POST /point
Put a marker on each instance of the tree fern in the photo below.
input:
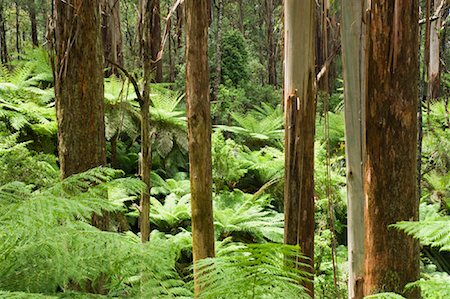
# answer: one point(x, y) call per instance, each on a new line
point(47, 244)
point(240, 215)
point(253, 271)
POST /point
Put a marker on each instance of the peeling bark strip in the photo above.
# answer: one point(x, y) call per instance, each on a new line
point(199, 128)
point(78, 76)
point(354, 68)
point(300, 128)
point(390, 159)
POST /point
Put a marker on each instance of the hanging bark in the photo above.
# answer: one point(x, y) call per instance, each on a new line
point(156, 39)
point(78, 75)
point(354, 69)
point(32, 14)
point(390, 149)
point(434, 73)
point(300, 128)
point(272, 62)
point(218, 77)
point(3, 46)
point(145, 11)
point(199, 127)
point(111, 34)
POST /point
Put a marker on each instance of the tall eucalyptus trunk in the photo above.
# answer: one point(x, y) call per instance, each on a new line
point(390, 186)
point(146, 153)
point(3, 45)
point(354, 68)
point(434, 72)
point(33, 22)
point(156, 40)
point(78, 76)
point(300, 105)
point(111, 34)
point(199, 128)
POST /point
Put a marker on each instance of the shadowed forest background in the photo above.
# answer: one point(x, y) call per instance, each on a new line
point(224, 149)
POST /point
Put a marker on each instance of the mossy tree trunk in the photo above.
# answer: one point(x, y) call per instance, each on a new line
point(391, 257)
point(78, 76)
point(300, 105)
point(199, 128)
point(3, 46)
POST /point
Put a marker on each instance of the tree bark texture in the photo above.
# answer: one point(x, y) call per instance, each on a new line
point(199, 128)
point(354, 69)
point(272, 61)
point(78, 78)
point(434, 73)
point(17, 28)
point(34, 31)
point(111, 34)
point(146, 154)
point(156, 40)
point(3, 45)
point(300, 127)
point(218, 78)
point(391, 257)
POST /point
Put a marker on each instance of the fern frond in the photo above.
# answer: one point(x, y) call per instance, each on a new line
point(253, 271)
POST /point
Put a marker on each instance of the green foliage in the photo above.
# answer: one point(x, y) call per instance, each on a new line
point(261, 126)
point(246, 218)
point(24, 103)
point(253, 271)
point(435, 233)
point(234, 58)
point(18, 163)
point(436, 286)
point(228, 162)
point(385, 296)
point(46, 242)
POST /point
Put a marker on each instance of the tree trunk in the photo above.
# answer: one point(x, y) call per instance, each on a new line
point(272, 62)
point(111, 34)
point(218, 78)
point(434, 73)
point(241, 17)
point(34, 32)
point(354, 69)
point(17, 28)
point(3, 47)
point(156, 40)
point(390, 150)
point(300, 128)
point(145, 21)
point(79, 86)
point(199, 127)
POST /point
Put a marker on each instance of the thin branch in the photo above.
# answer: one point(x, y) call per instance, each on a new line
point(131, 78)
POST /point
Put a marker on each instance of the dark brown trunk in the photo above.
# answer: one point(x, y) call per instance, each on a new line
point(199, 128)
point(271, 65)
point(180, 23)
point(300, 110)
point(17, 28)
point(3, 46)
point(241, 16)
point(171, 58)
point(34, 32)
point(391, 143)
point(78, 76)
point(145, 9)
point(111, 34)
point(156, 40)
point(218, 78)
